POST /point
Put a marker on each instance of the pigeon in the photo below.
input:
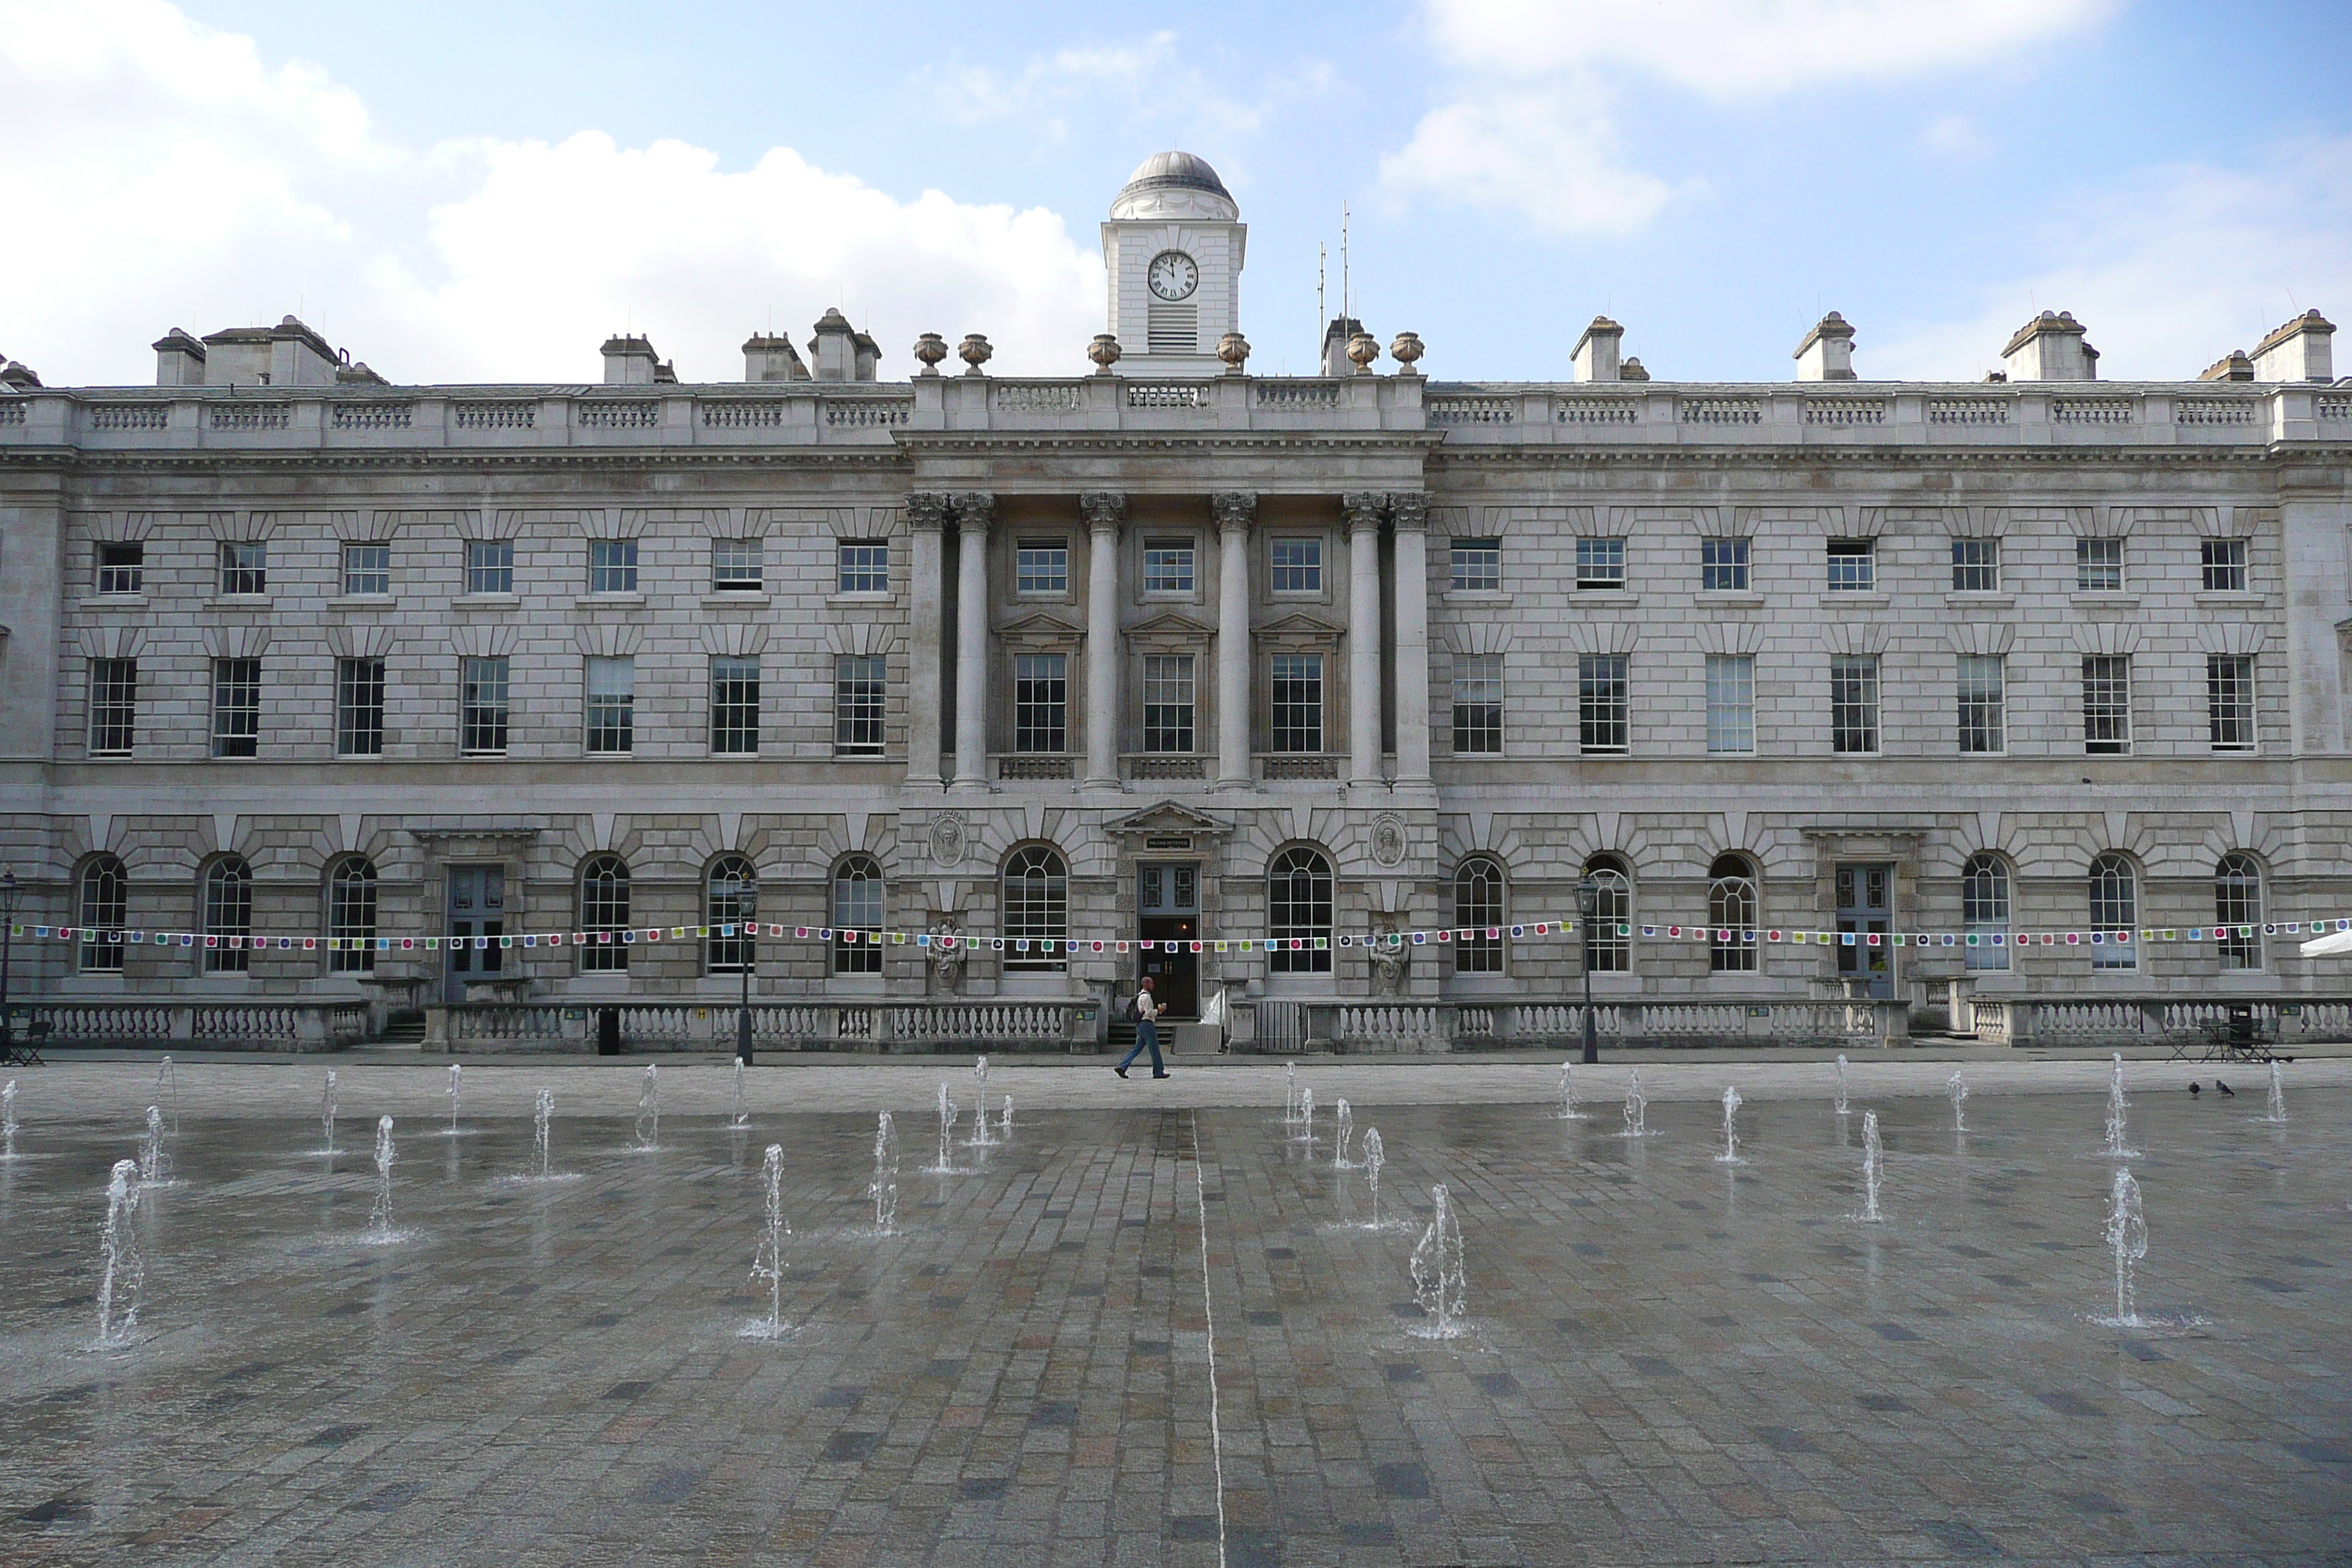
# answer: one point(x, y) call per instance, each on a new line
point(2225, 1088)
point(2195, 1089)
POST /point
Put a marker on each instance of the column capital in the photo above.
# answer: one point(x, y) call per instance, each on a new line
point(1363, 509)
point(974, 511)
point(1234, 510)
point(926, 510)
point(1409, 509)
point(1103, 510)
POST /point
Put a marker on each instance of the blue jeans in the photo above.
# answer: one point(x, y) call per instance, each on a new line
point(1147, 1038)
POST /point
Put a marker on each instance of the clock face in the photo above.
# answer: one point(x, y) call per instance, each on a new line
point(1174, 275)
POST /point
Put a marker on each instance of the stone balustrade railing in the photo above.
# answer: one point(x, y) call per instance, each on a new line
point(219, 1026)
point(2103, 1022)
point(819, 1025)
point(1422, 1027)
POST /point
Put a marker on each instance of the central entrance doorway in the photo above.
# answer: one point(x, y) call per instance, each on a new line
point(1865, 906)
point(477, 907)
point(1168, 904)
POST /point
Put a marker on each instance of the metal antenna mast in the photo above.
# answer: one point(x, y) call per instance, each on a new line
point(1322, 260)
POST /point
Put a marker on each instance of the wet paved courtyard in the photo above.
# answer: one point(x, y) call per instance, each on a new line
point(1169, 1335)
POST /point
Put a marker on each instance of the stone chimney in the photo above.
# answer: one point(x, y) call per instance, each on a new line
point(631, 362)
point(2232, 367)
point(767, 358)
point(833, 353)
point(179, 359)
point(1827, 352)
point(2050, 348)
point(2298, 351)
point(868, 356)
point(1336, 339)
point(17, 376)
point(1596, 350)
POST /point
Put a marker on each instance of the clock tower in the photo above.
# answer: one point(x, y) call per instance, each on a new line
point(1173, 247)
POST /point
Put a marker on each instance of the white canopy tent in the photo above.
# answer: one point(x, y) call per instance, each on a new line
point(2326, 946)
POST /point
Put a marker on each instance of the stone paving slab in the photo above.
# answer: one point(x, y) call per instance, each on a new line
point(1169, 1335)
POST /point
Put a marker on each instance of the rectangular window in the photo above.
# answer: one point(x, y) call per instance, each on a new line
point(121, 567)
point(612, 706)
point(1983, 719)
point(1976, 566)
point(1168, 702)
point(113, 705)
point(739, 565)
point(2098, 565)
point(244, 568)
point(1296, 706)
point(482, 707)
point(1853, 703)
point(2106, 704)
point(367, 569)
point(2229, 700)
point(2225, 566)
point(1478, 704)
point(1602, 722)
point(237, 706)
point(612, 565)
point(1478, 565)
point(1041, 703)
point(358, 707)
point(860, 690)
point(489, 566)
point(1040, 566)
point(1731, 702)
point(1600, 563)
point(1854, 565)
point(1723, 565)
point(1166, 567)
point(1297, 566)
point(863, 566)
point(735, 707)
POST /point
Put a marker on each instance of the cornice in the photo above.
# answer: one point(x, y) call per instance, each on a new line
point(1865, 457)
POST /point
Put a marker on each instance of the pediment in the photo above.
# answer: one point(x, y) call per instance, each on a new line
point(1169, 817)
point(1299, 623)
point(1043, 624)
point(1170, 624)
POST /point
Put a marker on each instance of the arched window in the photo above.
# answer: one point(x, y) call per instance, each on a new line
point(350, 917)
point(1984, 912)
point(605, 912)
point(105, 907)
point(2238, 903)
point(1478, 910)
point(730, 894)
point(1731, 910)
point(229, 915)
point(1036, 910)
point(857, 907)
point(1611, 939)
point(1299, 908)
point(2115, 907)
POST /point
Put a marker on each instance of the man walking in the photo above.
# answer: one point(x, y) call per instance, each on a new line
point(1147, 1032)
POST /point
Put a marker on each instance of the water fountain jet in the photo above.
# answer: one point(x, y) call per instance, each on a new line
point(1637, 1109)
point(1873, 1168)
point(980, 1135)
point(167, 1090)
point(1290, 1092)
point(327, 1115)
point(1731, 1103)
point(1344, 1136)
point(2117, 1109)
point(737, 1116)
point(457, 1095)
point(380, 1217)
point(1440, 1278)
point(947, 1110)
point(768, 1260)
point(648, 1127)
point(1568, 1111)
point(542, 1112)
point(122, 1271)
point(8, 1121)
point(1841, 1086)
point(883, 1188)
point(1959, 1094)
point(154, 1166)
point(1374, 1158)
point(2126, 1235)
point(2276, 1112)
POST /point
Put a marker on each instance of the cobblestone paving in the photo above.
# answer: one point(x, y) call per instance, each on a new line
point(1671, 1360)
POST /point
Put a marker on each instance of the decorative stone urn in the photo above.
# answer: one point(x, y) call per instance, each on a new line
point(1406, 351)
point(1363, 349)
point(1104, 350)
point(975, 352)
point(1235, 349)
point(930, 348)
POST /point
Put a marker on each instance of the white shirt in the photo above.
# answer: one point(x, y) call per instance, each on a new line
point(1145, 1008)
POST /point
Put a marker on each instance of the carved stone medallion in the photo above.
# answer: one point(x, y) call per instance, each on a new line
point(949, 839)
point(1387, 840)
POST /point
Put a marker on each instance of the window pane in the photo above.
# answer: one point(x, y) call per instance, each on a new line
point(612, 565)
point(1168, 566)
point(612, 705)
point(730, 896)
point(113, 705)
point(1600, 563)
point(605, 909)
point(104, 908)
point(1478, 704)
point(2115, 907)
point(1984, 912)
point(489, 566)
point(1168, 702)
point(1298, 702)
point(856, 908)
point(1981, 702)
point(860, 692)
point(1478, 565)
point(1037, 910)
point(1853, 703)
point(121, 567)
point(1975, 565)
point(358, 707)
point(1297, 566)
point(1613, 905)
point(367, 569)
point(1731, 911)
point(228, 913)
point(2098, 565)
point(2229, 700)
point(1041, 693)
point(865, 566)
point(2225, 566)
point(2106, 704)
point(245, 568)
point(1602, 723)
point(738, 565)
point(482, 707)
point(1479, 908)
point(1042, 567)
point(1731, 701)
point(237, 706)
point(1723, 565)
point(1299, 905)
point(1852, 565)
point(2238, 911)
point(735, 706)
point(351, 918)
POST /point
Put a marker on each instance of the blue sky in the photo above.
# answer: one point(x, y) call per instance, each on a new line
point(485, 191)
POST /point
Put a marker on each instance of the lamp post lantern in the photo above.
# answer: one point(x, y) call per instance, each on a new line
point(1588, 901)
point(747, 906)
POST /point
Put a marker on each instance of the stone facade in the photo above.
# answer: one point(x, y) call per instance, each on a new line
point(1078, 599)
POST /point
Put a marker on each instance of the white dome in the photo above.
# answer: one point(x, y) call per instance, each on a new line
point(1174, 185)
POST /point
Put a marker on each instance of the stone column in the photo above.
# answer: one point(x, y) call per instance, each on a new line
point(926, 515)
point(1362, 511)
point(973, 510)
point(1103, 511)
point(1233, 510)
point(1409, 516)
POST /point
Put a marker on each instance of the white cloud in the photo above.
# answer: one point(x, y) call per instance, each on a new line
point(158, 172)
point(2169, 274)
point(1550, 155)
point(1735, 48)
point(1957, 137)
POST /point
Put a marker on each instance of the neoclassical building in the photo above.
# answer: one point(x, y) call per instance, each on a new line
point(2034, 688)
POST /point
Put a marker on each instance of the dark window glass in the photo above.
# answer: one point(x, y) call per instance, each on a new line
point(1478, 704)
point(1299, 905)
point(1603, 721)
point(860, 694)
point(358, 707)
point(350, 917)
point(482, 707)
point(1478, 565)
point(738, 565)
point(1723, 565)
point(1731, 911)
point(237, 706)
point(489, 566)
point(612, 705)
point(612, 565)
point(857, 907)
point(228, 913)
point(731, 886)
point(1168, 702)
point(104, 909)
point(1040, 566)
point(1296, 709)
point(113, 705)
point(605, 908)
point(2106, 704)
point(1037, 910)
point(1853, 703)
point(1041, 703)
point(245, 568)
point(121, 567)
point(735, 707)
point(2229, 700)
point(1478, 910)
point(2225, 566)
point(367, 569)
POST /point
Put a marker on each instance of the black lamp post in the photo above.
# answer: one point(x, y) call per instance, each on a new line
point(747, 906)
point(7, 947)
point(1588, 900)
